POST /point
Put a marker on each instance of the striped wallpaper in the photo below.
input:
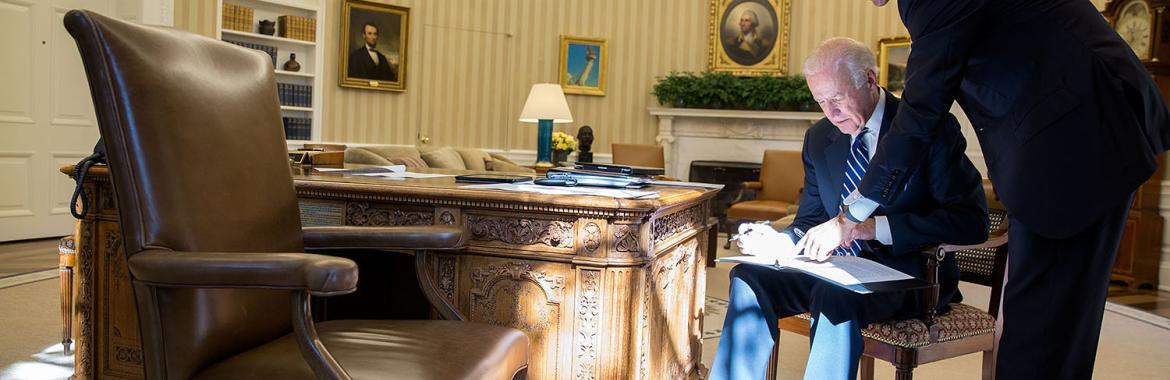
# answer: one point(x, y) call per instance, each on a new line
point(473, 62)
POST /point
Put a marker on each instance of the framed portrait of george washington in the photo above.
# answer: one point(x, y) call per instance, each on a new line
point(749, 37)
point(582, 65)
point(892, 54)
point(374, 39)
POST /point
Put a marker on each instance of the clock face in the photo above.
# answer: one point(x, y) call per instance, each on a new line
point(1133, 24)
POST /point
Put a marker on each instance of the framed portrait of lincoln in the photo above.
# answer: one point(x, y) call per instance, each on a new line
point(374, 39)
point(749, 37)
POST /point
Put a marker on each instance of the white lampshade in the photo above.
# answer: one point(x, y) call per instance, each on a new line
point(546, 101)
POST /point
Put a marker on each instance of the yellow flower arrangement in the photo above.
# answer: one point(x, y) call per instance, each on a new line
point(563, 141)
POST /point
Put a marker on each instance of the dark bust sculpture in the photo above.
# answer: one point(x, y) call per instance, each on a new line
point(584, 144)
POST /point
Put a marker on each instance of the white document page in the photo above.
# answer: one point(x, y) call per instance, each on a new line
point(372, 169)
point(529, 187)
point(844, 270)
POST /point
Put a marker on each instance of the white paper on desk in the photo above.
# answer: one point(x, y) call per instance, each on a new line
point(843, 270)
point(404, 175)
point(529, 187)
point(389, 168)
point(716, 186)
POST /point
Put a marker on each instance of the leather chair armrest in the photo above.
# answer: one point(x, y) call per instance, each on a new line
point(319, 274)
point(752, 186)
point(434, 238)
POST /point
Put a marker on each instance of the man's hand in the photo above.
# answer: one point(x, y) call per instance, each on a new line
point(763, 240)
point(820, 241)
point(866, 230)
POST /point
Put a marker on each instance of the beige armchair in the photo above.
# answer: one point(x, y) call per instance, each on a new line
point(775, 195)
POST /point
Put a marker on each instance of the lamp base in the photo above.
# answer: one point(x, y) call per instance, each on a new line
point(544, 143)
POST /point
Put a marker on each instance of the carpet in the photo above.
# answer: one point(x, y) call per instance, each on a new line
point(713, 312)
point(49, 364)
point(25, 278)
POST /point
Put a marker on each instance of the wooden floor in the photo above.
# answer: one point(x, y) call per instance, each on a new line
point(27, 256)
point(1150, 301)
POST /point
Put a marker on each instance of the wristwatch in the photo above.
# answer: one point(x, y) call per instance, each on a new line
point(845, 212)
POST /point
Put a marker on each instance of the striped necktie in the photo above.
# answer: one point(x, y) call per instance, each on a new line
point(855, 167)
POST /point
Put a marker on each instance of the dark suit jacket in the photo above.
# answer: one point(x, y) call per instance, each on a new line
point(1068, 118)
point(362, 66)
point(942, 203)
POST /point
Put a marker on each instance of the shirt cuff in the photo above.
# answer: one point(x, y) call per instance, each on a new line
point(881, 227)
point(860, 208)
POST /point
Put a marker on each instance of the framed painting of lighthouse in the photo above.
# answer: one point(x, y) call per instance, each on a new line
point(583, 64)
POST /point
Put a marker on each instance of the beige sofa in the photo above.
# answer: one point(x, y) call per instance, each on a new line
point(444, 157)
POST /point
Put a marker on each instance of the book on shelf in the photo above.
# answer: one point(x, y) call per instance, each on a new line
point(297, 27)
point(859, 274)
point(268, 49)
point(237, 17)
point(298, 128)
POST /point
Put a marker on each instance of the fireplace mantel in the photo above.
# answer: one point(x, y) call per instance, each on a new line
point(688, 134)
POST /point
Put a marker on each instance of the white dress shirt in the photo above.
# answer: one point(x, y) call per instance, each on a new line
point(881, 223)
point(373, 55)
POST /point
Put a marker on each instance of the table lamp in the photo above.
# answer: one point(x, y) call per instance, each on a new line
point(545, 105)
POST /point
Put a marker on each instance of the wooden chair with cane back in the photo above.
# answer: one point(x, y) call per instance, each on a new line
point(963, 330)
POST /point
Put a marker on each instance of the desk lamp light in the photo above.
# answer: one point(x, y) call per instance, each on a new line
point(545, 105)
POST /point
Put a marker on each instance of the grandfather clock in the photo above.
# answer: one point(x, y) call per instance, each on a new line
point(1144, 25)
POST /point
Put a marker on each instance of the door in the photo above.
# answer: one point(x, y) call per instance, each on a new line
point(46, 116)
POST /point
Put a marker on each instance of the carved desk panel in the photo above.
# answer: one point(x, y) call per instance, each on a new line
point(604, 288)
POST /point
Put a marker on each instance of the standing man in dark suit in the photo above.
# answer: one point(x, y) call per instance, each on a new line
point(943, 203)
point(367, 63)
point(1069, 121)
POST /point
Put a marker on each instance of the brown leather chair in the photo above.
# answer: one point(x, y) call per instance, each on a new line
point(651, 156)
point(776, 193)
point(212, 233)
point(963, 330)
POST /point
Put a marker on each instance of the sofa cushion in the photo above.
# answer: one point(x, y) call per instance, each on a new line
point(474, 159)
point(378, 154)
point(507, 166)
point(443, 158)
point(409, 161)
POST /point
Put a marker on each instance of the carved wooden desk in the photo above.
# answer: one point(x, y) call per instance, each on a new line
point(605, 288)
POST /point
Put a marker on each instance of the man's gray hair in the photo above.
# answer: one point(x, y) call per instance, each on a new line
point(755, 19)
point(843, 56)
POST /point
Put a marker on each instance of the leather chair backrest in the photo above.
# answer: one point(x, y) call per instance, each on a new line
point(781, 175)
point(199, 163)
point(651, 156)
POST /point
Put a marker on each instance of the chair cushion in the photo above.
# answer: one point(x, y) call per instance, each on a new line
point(444, 158)
point(759, 209)
point(961, 322)
point(387, 349)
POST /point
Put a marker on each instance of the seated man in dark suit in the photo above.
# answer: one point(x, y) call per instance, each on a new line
point(944, 203)
point(367, 63)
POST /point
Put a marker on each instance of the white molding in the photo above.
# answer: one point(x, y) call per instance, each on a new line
point(811, 117)
point(688, 134)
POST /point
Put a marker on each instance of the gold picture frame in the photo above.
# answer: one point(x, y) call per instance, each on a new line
point(382, 67)
point(892, 54)
point(583, 65)
point(749, 37)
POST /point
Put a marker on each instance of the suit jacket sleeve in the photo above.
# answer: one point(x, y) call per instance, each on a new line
point(941, 33)
point(812, 211)
point(958, 211)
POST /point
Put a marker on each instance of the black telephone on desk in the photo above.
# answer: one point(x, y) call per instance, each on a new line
point(578, 177)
